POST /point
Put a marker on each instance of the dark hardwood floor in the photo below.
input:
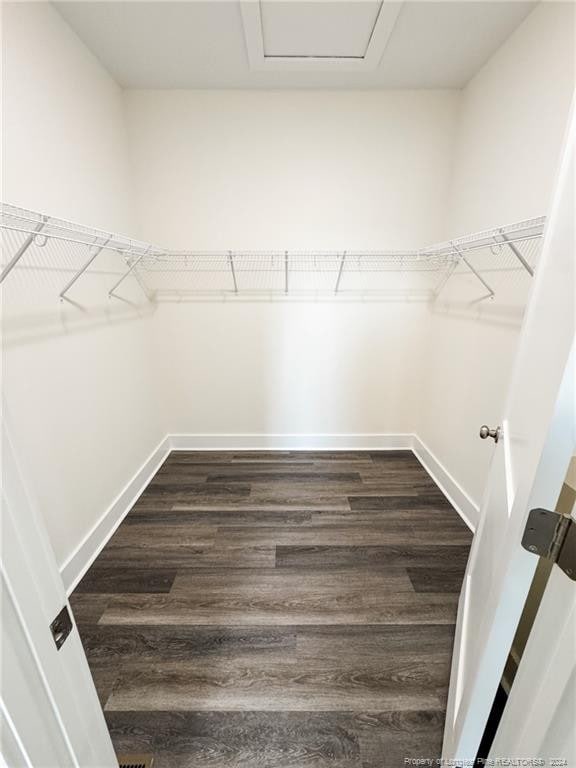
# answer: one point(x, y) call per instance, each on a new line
point(278, 610)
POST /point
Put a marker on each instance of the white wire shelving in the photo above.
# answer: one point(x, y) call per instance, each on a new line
point(166, 275)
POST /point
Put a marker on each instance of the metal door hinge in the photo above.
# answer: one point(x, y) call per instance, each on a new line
point(61, 627)
point(553, 536)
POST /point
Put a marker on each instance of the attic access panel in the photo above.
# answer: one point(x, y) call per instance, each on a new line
point(318, 29)
point(317, 35)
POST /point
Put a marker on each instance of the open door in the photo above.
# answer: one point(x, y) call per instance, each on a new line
point(534, 445)
point(50, 714)
point(540, 715)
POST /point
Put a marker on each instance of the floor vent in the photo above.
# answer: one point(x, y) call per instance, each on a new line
point(135, 761)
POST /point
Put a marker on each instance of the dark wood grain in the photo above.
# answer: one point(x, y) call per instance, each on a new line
point(88, 608)
point(142, 644)
point(426, 500)
point(219, 517)
point(446, 579)
point(190, 556)
point(196, 490)
point(349, 607)
point(290, 609)
point(428, 555)
point(274, 739)
point(108, 579)
point(318, 477)
point(378, 534)
point(385, 682)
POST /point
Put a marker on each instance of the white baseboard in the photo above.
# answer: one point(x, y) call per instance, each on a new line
point(460, 500)
point(88, 550)
point(290, 442)
point(90, 547)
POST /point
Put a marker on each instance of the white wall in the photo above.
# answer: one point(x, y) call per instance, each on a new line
point(290, 368)
point(64, 145)
point(512, 118)
point(291, 169)
point(265, 170)
point(511, 124)
point(76, 381)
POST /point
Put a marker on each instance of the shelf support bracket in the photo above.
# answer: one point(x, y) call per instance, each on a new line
point(340, 271)
point(22, 250)
point(231, 260)
point(132, 266)
point(516, 252)
point(83, 269)
point(490, 294)
point(149, 295)
point(445, 279)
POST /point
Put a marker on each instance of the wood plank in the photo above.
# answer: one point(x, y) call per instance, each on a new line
point(86, 608)
point(286, 582)
point(158, 536)
point(197, 491)
point(302, 455)
point(145, 644)
point(388, 739)
point(175, 467)
point(371, 641)
point(394, 456)
point(431, 555)
point(421, 516)
point(104, 579)
point(448, 579)
point(424, 500)
point(223, 555)
point(105, 676)
point(309, 685)
point(219, 517)
point(268, 500)
point(349, 607)
point(390, 533)
point(316, 476)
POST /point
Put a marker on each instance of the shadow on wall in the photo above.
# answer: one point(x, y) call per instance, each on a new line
point(493, 288)
point(31, 306)
point(78, 386)
point(486, 312)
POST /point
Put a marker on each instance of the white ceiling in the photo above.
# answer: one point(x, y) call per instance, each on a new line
point(202, 44)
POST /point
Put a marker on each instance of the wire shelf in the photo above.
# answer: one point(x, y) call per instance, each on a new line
point(485, 258)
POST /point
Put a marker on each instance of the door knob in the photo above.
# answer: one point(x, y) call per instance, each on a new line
point(485, 432)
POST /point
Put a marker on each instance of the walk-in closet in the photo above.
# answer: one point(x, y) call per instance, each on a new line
point(287, 383)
